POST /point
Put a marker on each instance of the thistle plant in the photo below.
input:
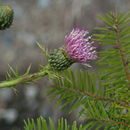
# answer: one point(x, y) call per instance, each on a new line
point(100, 97)
point(77, 48)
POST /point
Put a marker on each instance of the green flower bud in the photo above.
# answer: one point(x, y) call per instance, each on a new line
point(59, 61)
point(6, 17)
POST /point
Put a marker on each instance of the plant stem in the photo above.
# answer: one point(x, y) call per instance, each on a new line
point(23, 79)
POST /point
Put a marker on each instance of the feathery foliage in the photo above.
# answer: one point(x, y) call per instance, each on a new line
point(114, 62)
point(102, 97)
point(43, 124)
point(82, 90)
point(74, 88)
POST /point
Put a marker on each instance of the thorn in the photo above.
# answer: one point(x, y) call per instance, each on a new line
point(28, 69)
point(15, 90)
point(43, 49)
point(8, 75)
point(12, 70)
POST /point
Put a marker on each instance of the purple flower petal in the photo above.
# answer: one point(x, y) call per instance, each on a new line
point(79, 47)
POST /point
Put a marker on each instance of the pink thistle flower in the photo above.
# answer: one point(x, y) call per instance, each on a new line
point(79, 47)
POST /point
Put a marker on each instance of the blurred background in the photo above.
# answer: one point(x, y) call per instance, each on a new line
point(45, 21)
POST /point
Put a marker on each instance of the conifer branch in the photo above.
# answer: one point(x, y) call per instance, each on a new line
point(125, 62)
point(110, 121)
point(121, 103)
point(121, 49)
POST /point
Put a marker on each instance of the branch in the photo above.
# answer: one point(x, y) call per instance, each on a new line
point(110, 121)
point(121, 103)
point(121, 49)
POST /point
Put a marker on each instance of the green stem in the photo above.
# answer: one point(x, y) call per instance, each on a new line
point(23, 79)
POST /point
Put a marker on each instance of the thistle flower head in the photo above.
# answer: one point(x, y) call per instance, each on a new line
point(79, 47)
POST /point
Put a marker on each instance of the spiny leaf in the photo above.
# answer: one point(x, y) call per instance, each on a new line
point(28, 70)
point(45, 51)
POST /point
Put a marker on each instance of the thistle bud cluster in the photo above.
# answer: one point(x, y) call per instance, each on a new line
point(6, 17)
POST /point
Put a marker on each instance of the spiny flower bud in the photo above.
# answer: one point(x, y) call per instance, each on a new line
point(58, 60)
point(78, 48)
point(6, 17)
